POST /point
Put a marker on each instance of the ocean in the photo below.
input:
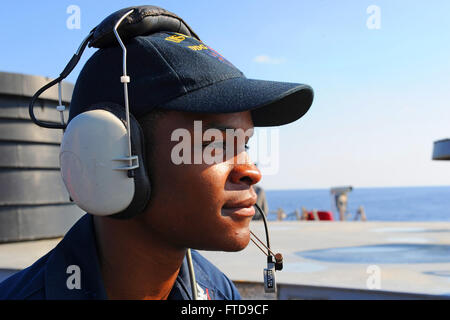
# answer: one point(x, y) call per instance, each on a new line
point(380, 204)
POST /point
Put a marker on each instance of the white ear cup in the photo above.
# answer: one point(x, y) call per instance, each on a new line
point(91, 143)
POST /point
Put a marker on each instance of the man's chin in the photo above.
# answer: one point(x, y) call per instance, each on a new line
point(236, 247)
point(230, 238)
point(232, 244)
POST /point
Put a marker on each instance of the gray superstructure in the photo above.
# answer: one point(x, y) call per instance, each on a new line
point(34, 203)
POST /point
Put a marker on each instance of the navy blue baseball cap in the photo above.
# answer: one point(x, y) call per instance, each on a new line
point(174, 71)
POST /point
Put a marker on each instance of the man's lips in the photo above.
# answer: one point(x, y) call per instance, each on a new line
point(239, 212)
point(240, 209)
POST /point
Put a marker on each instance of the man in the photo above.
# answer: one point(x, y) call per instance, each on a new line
point(175, 81)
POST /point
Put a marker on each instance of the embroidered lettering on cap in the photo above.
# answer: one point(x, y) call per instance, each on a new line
point(199, 47)
point(177, 38)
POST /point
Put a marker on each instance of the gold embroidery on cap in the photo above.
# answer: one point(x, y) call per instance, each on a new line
point(199, 47)
point(177, 38)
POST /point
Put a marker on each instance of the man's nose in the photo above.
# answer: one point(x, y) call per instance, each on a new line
point(245, 174)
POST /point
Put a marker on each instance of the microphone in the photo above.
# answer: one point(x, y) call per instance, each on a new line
point(274, 261)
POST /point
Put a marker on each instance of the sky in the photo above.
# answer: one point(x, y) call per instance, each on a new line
point(380, 71)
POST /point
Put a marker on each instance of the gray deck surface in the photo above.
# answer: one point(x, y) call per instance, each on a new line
point(410, 256)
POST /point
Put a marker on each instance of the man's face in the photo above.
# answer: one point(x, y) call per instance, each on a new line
point(200, 205)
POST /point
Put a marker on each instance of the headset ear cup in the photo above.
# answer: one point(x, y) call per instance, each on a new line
point(96, 186)
point(141, 177)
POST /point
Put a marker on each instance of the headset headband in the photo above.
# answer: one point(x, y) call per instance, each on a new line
point(144, 20)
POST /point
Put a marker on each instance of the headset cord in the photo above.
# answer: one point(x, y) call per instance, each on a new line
point(270, 254)
point(67, 70)
point(192, 274)
point(266, 229)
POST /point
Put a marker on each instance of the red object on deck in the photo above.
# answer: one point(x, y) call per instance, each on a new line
point(323, 215)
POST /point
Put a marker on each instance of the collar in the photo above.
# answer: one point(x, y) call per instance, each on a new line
point(73, 269)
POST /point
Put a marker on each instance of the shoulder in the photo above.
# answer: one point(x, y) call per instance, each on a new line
point(209, 276)
point(27, 284)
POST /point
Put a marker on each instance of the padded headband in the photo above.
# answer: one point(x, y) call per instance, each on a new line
point(143, 21)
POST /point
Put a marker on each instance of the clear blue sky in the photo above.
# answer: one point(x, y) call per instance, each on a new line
point(382, 96)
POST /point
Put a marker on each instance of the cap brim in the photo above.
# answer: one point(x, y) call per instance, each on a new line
point(271, 103)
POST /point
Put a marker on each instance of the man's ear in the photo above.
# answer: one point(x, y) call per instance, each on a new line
point(94, 153)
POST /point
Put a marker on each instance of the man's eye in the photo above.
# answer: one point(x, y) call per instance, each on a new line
point(221, 145)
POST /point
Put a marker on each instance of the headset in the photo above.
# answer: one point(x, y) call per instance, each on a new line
point(108, 177)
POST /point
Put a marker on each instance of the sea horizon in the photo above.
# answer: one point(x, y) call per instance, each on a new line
point(410, 203)
point(356, 187)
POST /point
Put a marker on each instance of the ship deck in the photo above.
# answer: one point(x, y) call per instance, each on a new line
point(321, 259)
